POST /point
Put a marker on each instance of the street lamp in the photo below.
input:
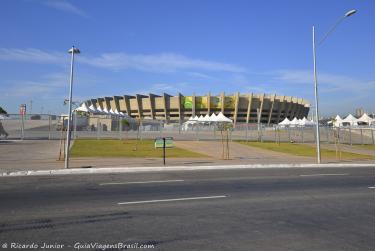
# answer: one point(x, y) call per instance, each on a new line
point(347, 14)
point(72, 51)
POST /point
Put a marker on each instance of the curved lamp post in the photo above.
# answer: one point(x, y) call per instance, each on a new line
point(347, 14)
point(72, 51)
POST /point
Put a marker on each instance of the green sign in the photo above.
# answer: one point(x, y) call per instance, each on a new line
point(187, 102)
point(159, 142)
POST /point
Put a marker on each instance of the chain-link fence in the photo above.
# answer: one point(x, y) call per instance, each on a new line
point(45, 126)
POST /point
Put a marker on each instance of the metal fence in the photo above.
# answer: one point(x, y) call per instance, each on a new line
point(45, 126)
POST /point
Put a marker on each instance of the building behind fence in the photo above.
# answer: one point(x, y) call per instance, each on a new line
point(44, 126)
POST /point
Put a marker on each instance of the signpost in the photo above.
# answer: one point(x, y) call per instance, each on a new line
point(166, 142)
point(22, 113)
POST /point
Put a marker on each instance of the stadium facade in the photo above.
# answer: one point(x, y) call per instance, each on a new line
point(241, 108)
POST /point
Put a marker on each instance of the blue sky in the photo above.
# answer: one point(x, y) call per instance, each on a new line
point(185, 46)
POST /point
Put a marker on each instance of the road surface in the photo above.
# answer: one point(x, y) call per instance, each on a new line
point(258, 209)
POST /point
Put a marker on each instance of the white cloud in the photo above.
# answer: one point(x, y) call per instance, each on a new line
point(161, 63)
point(32, 55)
point(327, 82)
point(65, 6)
point(44, 88)
point(165, 62)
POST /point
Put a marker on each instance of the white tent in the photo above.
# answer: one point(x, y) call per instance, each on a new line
point(207, 118)
point(306, 122)
point(105, 110)
point(195, 118)
point(285, 122)
point(350, 119)
point(111, 112)
point(213, 117)
point(338, 121)
point(200, 119)
point(99, 109)
point(221, 118)
point(92, 109)
point(294, 122)
point(82, 108)
point(365, 119)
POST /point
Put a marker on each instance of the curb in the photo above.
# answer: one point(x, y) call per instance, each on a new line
point(107, 170)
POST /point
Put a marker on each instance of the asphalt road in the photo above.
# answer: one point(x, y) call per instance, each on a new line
point(259, 209)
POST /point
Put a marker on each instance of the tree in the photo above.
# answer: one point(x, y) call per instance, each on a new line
point(2, 111)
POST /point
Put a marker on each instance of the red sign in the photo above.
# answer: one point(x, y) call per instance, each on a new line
point(23, 109)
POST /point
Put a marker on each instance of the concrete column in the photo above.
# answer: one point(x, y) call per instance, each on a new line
point(222, 97)
point(165, 106)
point(180, 109)
point(139, 105)
point(116, 100)
point(289, 105)
point(127, 104)
point(237, 100)
point(282, 105)
point(261, 106)
point(271, 109)
point(152, 105)
point(249, 106)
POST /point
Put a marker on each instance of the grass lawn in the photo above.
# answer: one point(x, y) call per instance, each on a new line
point(368, 147)
point(304, 150)
point(125, 148)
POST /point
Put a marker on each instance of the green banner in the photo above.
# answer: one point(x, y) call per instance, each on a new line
point(159, 142)
point(187, 102)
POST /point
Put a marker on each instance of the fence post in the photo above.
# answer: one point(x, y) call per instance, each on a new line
point(22, 126)
point(49, 127)
point(274, 128)
point(289, 134)
point(361, 137)
point(350, 136)
point(119, 128)
point(97, 128)
point(372, 136)
point(302, 131)
point(247, 131)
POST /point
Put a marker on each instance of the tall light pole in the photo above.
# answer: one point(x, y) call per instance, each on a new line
point(72, 51)
point(347, 14)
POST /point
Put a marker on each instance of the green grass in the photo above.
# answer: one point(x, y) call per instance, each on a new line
point(304, 150)
point(368, 147)
point(125, 148)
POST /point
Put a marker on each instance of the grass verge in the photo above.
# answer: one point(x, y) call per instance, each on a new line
point(304, 150)
point(125, 148)
point(367, 147)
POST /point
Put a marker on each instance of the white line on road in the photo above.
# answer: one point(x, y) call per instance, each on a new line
point(139, 182)
point(323, 174)
point(371, 187)
point(167, 200)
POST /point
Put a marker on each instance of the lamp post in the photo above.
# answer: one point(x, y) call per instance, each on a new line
point(72, 51)
point(347, 14)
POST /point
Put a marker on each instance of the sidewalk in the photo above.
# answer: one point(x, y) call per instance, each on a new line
point(34, 155)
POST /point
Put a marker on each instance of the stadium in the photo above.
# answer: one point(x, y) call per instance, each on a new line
point(241, 108)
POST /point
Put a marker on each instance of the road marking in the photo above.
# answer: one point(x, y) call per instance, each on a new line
point(324, 174)
point(371, 187)
point(139, 182)
point(168, 200)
